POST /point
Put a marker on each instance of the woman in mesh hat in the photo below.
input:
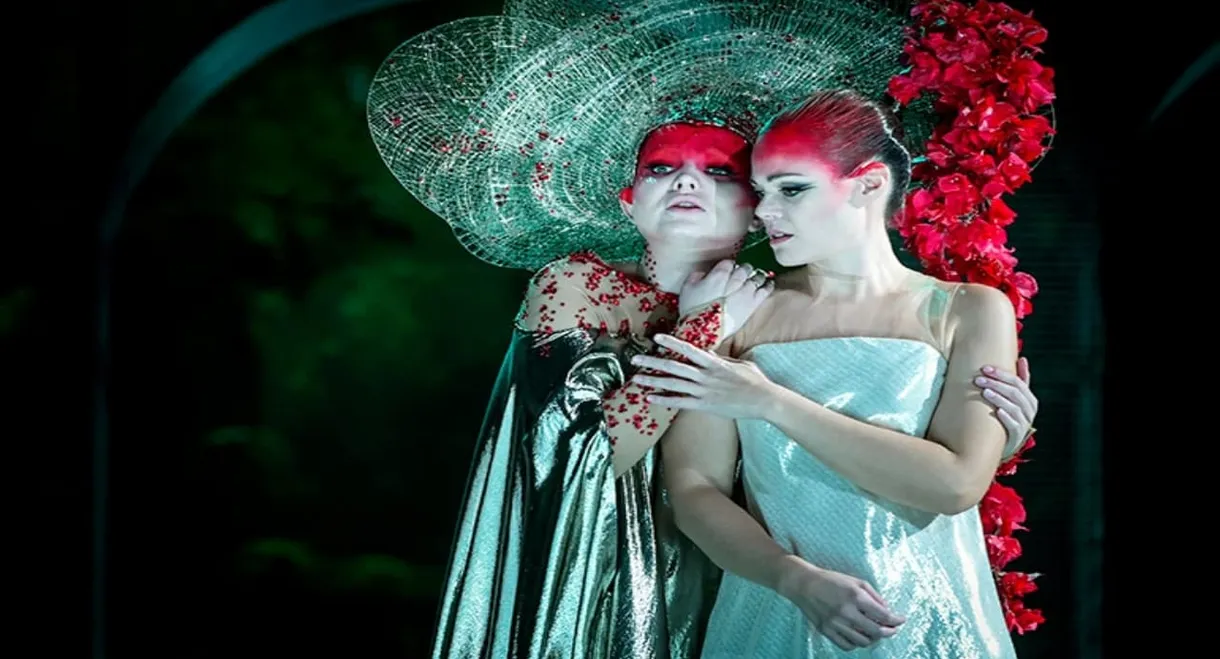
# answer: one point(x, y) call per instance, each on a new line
point(570, 141)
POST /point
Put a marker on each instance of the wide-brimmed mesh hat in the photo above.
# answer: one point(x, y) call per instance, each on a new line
point(519, 130)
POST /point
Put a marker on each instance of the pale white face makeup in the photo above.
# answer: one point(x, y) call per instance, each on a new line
point(811, 214)
point(806, 210)
point(690, 186)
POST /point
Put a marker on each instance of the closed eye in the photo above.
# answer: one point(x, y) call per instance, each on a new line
point(793, 190)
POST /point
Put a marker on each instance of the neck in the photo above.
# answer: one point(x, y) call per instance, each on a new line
point(871, 270)
point(668, 267)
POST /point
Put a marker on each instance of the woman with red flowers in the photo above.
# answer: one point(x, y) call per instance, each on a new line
point(520, 131)
point(865, 444)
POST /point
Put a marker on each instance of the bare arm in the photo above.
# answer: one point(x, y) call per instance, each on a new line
point(947, 475)
point(700, 453)
point(635, 425)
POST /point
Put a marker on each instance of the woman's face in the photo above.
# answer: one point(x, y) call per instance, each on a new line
point(691, 187)
point(804, 205)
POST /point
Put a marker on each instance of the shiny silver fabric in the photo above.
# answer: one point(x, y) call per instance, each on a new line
point(555, 558)
point(931, 568)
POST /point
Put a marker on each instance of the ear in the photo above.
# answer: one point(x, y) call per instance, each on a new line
point(625, 197)
point(869, 183)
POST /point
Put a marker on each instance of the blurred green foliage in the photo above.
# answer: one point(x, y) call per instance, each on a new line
point(326, 345)
point(303, 354)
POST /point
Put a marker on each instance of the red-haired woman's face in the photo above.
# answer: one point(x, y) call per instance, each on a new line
point(806, 208)
point(691, 187)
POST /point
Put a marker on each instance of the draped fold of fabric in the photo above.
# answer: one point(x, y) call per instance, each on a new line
point(554, 557)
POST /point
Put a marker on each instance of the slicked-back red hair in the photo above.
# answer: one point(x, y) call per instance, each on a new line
point(846, 130)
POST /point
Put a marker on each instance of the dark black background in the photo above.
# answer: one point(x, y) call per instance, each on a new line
point(75, 97)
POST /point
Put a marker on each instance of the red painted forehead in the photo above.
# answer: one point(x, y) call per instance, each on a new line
point(790, 140)
point(708, 145)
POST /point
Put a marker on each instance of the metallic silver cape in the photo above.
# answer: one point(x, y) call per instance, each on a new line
point(554, 557)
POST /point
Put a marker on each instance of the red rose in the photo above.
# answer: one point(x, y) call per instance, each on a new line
point(1025, 283)
point(1002, 550)
point(903, 89)
point(1010, 467)
point(1029, 85)
point(1021, 619)
point(999, 212)
point(1002, 510)
point(1014, 586)
point(928, 240)
point(976, 65)
point(1015, 171)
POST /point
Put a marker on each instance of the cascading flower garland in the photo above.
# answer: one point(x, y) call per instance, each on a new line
point(977, 66)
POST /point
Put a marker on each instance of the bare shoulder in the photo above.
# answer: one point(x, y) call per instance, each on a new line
point(981, 307)
point(982, 317)
point(562, 294)
point(577, 268)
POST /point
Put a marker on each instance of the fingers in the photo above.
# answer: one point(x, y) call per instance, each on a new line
point(670, 384)
point(1017, 431)
point(668, 366)
point(676, 402)
point(694, 278)
point(837, 638)
point(718, 277)
point(720, 272)
point(1011, 424)
point(1006, 404)
point(763, 292)
point(1009, 391)
point(750, 289)
point(1019, 382)
point(855, 638)
point(740, 275)
point(699, 357)
point(872, 592)
point(1017, 393)
point(866, 626)
point(758, 277)
point(1007, 377)
point(877, 610)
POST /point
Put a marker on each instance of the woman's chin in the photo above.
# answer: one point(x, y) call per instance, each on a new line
point(787, 257)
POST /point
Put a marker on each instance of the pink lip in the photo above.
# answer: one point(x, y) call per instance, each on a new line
point(695, 206)
point(779, 239)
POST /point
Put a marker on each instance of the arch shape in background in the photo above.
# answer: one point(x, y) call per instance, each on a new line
point(1193, 73)
point(234, 53)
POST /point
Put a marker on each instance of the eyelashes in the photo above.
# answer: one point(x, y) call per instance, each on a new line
point(661, 169)
point(789, 191)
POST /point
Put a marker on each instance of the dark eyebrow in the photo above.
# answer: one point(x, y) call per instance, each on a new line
point(775, 176)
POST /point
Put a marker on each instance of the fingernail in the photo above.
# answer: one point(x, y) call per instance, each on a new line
point(980, 380)
point(989, 393)
point(988, 369)
point(636, 360)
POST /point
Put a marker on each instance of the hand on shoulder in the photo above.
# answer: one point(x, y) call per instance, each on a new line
point(739, 288)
